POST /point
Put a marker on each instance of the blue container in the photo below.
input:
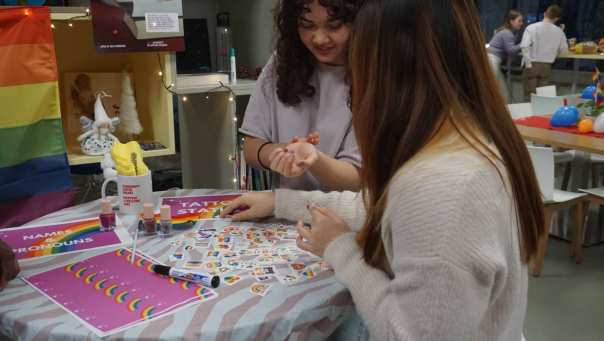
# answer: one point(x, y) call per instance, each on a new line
point(566, 116)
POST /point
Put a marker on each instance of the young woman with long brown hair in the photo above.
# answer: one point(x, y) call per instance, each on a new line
point(450, 211)
point(504, 45)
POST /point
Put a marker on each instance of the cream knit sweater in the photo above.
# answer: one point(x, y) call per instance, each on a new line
point(452, 244)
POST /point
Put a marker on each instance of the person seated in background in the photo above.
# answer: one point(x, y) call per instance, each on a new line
point(436, 245)
point(541, 44)
point(503, 46)
point(9, 268)
point(298, 122)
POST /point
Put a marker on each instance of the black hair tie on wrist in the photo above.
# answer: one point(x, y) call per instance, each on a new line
point(258, 156)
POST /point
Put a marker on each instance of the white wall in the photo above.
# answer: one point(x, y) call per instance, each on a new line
point(251, 21)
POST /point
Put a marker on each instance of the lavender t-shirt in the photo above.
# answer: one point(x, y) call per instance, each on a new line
point(327, 112)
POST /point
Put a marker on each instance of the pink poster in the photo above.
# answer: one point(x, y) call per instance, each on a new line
point(109, 294)
point(199, 207)
point(48, 240)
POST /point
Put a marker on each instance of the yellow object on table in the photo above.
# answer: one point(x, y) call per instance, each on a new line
point(128, 158)
point(586, 125)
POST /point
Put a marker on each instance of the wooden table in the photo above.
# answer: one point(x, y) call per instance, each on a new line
point(562, 140)
point(576, 58)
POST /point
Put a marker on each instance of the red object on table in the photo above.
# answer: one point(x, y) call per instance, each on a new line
point(543, 122)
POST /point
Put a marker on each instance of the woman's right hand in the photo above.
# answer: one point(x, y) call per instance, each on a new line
point(9, 268)
point(253, 205)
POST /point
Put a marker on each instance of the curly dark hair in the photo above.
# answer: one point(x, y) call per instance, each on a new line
point(294, 63)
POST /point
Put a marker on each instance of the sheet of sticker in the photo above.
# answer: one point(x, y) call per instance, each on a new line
point(266, 252)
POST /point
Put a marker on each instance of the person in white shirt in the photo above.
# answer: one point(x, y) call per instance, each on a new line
point(541, 44)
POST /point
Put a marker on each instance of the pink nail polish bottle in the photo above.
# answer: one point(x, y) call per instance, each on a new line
point(107, 216)
point(165, 221)
point(149, 220)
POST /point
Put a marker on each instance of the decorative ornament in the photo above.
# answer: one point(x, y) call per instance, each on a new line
point(586, 125)
point(599, 124)
point(96, 138)
point(566, 116)
point(130, 124)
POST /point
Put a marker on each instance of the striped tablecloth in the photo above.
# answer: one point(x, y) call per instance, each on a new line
point(307, 311)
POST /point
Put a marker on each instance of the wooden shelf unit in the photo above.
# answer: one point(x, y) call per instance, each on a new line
point(76, 52)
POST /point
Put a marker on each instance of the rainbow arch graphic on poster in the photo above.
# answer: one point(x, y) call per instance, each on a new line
point(121, 297)
point(80, 272)
point(134, 304)
point(66, 241)
point(204, 293)
point(100, 284)
point(147, 313)
point(90, 278)
point(70, 267)
point(110, 290)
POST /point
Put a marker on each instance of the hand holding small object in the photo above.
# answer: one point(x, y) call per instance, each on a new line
point(326, 226)
point(312, 138)
point(294, 160)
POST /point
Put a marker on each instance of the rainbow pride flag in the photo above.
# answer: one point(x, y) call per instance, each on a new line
point(34, 171)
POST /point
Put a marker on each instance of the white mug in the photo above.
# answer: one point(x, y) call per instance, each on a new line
point(133, 192)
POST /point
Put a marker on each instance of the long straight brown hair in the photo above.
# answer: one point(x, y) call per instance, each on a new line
point(415, 64)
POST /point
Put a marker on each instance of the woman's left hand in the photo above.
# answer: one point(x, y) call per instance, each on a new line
point(326, 226)
point(294, 160)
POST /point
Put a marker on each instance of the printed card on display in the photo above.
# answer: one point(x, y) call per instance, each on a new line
point(54, 239)
point(199, 207)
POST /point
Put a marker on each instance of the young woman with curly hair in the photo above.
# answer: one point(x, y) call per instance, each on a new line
point(302, 94)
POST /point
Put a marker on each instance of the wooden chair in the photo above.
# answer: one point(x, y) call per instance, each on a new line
point(555, 200)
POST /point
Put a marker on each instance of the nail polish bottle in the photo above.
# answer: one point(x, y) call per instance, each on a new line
point(165, 221)
point(107, 216)
point(149, 220)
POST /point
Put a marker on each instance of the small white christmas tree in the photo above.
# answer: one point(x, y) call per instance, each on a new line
point(129, 122)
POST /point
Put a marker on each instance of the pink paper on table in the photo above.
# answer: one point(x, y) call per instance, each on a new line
point(199, 207)
point(109, 294)
point(48, 240)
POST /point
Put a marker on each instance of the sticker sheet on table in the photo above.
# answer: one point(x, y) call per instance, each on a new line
point(265, 253)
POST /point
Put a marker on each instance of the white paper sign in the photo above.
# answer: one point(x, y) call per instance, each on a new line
point(161, 22)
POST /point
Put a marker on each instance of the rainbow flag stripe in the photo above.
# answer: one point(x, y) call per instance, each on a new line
point(77, 231)
point(34, 171)
point(181, 219)
point(185, 285)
